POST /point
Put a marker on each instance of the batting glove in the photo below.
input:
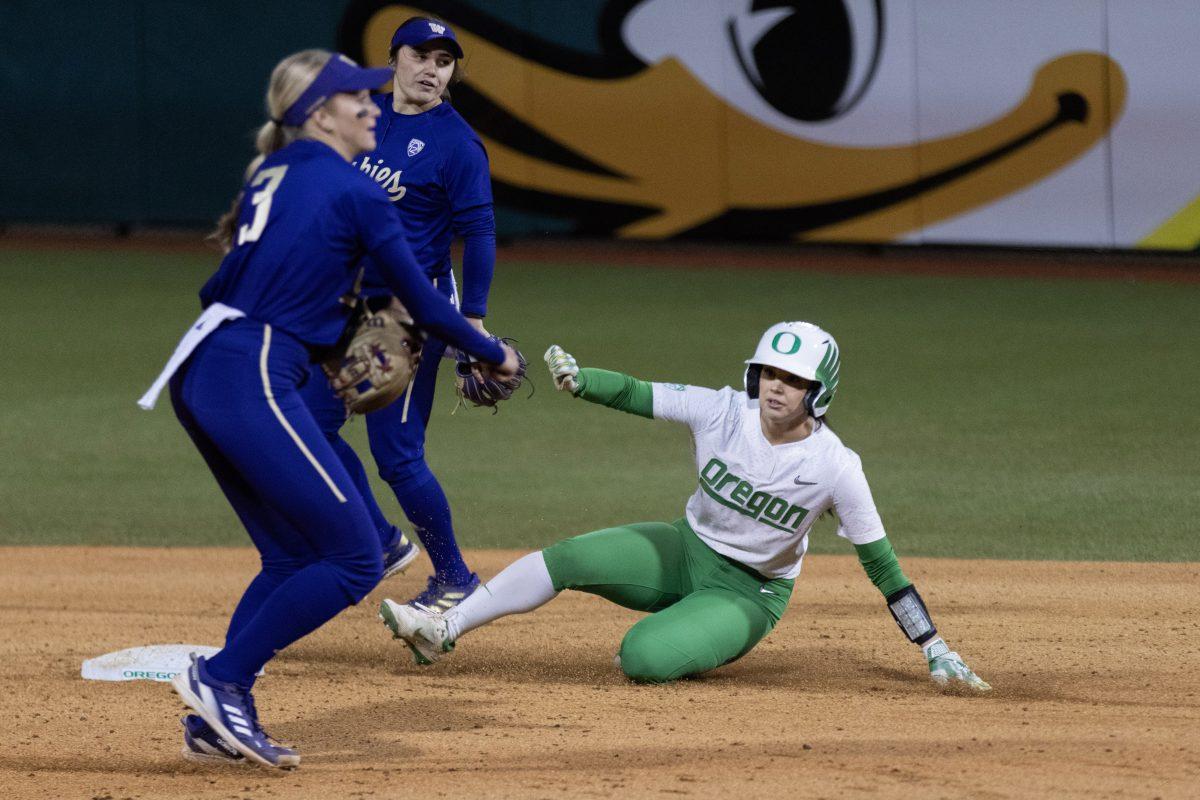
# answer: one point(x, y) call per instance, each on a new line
point(563, 368)
point(947, 668)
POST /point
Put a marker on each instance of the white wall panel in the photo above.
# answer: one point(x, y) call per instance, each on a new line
point(975, 62)
point(1156, 144)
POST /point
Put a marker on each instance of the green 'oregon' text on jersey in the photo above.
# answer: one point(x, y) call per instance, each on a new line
point(756, 502)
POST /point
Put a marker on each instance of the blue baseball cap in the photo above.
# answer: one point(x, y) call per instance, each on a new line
point(420, 31)
point(340, 74)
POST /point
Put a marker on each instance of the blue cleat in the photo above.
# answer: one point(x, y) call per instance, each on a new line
point(441, 597)
point(397, 559)
point(229, 711)
point(201, 743)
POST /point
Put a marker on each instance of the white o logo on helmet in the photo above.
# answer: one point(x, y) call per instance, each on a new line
point(778, 343)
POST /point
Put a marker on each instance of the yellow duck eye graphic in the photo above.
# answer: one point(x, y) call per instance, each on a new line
point(741, 119)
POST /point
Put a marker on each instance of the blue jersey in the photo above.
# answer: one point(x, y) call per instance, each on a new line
point(434, 168)
point(306, 220)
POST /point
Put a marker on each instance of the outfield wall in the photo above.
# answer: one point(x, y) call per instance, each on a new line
point(1071, 123)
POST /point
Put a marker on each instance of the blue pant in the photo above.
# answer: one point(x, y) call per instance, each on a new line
point(397, 432)
point(238, 398)
point(397, 440)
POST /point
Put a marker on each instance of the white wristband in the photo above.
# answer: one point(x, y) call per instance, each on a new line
point(935, 647)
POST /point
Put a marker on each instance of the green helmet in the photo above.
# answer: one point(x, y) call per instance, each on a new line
point(802, 349)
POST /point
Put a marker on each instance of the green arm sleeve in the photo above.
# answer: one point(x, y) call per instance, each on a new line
point(616, 390)
point(879, 560)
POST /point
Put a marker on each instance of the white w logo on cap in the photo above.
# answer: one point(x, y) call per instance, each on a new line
point(439, 29)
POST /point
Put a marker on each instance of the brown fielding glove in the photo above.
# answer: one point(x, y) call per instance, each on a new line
point(478, 388)
point(379, 361)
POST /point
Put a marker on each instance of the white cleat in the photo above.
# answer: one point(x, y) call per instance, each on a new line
point(424, 631)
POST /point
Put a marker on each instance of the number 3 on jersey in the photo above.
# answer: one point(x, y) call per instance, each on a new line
point(261, 200)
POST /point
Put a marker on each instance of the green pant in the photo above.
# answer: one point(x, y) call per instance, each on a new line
point(707, 609)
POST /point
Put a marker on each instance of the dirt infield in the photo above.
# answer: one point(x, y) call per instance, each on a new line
point(1095, 669)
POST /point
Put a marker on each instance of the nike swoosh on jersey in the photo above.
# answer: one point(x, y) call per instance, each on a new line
point(765, 590)
point(805, 483)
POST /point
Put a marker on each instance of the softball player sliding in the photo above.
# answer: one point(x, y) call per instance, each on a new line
point(435, 171)
point(296, 234)
point(718, 580)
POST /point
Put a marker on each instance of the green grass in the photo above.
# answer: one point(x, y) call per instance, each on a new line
point(1004, 418)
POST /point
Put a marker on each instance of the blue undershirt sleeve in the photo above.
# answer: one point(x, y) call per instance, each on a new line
point(469, 188)
point(479, 263)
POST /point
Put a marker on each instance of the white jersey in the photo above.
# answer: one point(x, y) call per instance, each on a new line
point(756, 502)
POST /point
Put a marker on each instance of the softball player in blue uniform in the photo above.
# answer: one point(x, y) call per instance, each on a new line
point(434, 169)
point(303, 222)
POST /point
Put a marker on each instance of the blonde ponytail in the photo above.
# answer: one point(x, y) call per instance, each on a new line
point(289, 79)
